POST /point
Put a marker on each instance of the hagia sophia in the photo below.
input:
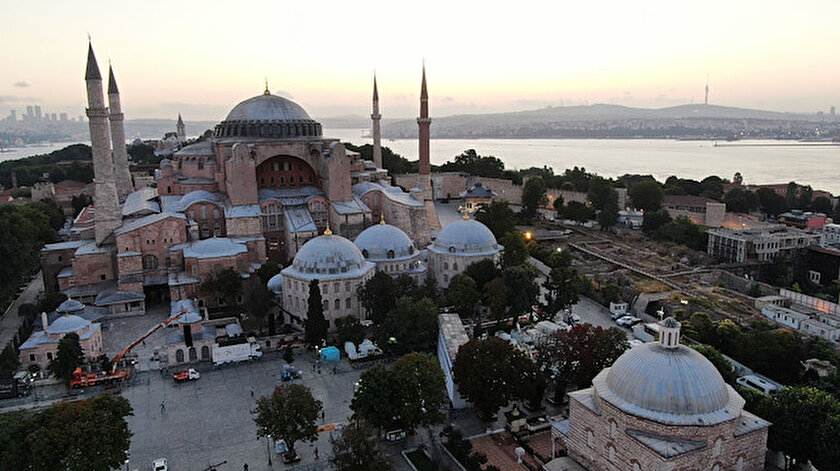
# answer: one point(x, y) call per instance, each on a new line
point(267, 185)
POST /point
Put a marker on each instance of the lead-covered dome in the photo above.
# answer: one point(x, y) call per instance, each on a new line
point(675, 385)
point(466, 236)
point(275, 284)
point(268, 116)
point(384, 242)
point(70, 305)
point(66, 324)
point(328, 255)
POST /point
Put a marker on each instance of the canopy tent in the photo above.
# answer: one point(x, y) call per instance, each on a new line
point(330, 354)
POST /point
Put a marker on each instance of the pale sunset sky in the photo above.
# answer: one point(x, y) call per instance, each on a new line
point(200, 58)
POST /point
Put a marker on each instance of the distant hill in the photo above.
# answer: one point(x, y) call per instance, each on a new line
point(603, 120)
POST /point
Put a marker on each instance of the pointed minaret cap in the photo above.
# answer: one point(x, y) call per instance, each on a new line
point(112, 82)
point(180, 120)
point(424, 94)
point(92, 72)
point(328, 231)
point(375, 91)
point(267, 91)
point(382, 218)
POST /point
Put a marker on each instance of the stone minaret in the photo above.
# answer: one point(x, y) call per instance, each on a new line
point(121, 174)
point(425, 168)
point(105, 189)
point(180, 129)
point(377, 135)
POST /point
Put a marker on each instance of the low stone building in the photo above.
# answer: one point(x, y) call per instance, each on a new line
point(476, 197)
point(663, 406)
point(41, 347)
point(701, 210)
point(451, 335)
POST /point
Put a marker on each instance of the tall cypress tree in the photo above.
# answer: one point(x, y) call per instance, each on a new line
point(316, 324)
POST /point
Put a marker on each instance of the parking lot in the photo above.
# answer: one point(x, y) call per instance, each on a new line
point(209, 420)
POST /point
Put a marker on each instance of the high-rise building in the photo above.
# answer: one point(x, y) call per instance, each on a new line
point(62, 117)
point(53, 117)
point(13, 116)
point(37, 113)
point(30, 114)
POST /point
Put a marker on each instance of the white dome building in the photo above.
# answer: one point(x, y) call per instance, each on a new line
point(392, 251)
point(458, 245)
point(340, 269)
point(663, 405)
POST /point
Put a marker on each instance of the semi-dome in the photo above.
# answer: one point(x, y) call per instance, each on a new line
point(66, 324)
point(671, 385)
point(466, 236)
point(275, 284)
point(384, 241)
point(268, 116)
point(328, 255)
point(70, 305)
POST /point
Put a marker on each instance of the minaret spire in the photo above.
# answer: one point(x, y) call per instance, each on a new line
point(424, 167)
point(267, 91)
point(707, 89)
point(181, 129)
point(122, 176)
point(377, 133)
point(105, 190)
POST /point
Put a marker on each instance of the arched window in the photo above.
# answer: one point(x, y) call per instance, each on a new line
point(326, 305)
point(217, 229)
point(150, 262)
point(446, 265)
point(272, 217)
point(216, 213)
point(390, 254)
point(179, 356)
point(590, 438)
point(191, 215)
point(455, 266)
point(205, 352)
point(613, 429)
point(193, 354)
point(347, 303)
point(337, 304)
point(636, 466)
point(717, 447)
point(204, 212)
point(451, 249)
point(612, 453)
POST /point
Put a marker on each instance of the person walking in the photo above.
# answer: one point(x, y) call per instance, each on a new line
point(252, 391)
point(163, 406)
point(316, 454)
point(245, 468)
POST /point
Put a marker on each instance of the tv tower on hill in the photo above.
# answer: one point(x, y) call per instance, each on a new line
point(707, 89)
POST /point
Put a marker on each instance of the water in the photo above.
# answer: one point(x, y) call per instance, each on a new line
point(768, 162)
point(15, 153)
point(758, 161)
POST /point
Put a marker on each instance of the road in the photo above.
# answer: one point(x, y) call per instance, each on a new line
point(11, 321)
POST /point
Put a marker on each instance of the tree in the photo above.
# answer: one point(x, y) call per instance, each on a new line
point(497, 216)
point(86, 435)
point(600, 193)
point(516, 251)
point(647, 195)
point(355, 450)
point(533, 196)
point(486, 372)
point(9, 361)
point(654, 220)
point(521, 288)
point(532, 383)
point(558, 205)
point(267, 270)
point(461, 449)
point(258, 304)
point(482, 272)
point(410, 327)
point(289, 414)
point(349, 330)
point(821, 204)
point(225, 284)
point(799, 416)
point(377, 296)
point(67, 358)
point(740, 200)
point(429, 288)
point(496, 298)
point(463, 295)
point(577, 355)
point(375, 399)
point(577, 211)
point(608, 216)
point(316, 325)
point(564, 287)
point(79, 202)
point(770, 202)
point(422, 390)
point(723, 365)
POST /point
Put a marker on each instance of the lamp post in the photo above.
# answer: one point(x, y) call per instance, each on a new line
point(268, 449)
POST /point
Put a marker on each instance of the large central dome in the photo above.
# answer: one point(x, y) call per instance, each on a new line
point(268, 116)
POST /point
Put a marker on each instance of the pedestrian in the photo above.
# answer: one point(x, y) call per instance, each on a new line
point(163, 406)
point(252, 391)
point(322, 415)
point(144, 342)
point(316, 454)
point(245, 468)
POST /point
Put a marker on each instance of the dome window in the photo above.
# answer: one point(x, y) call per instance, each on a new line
point(451, 249)
point(390, 254)
point(365, 253)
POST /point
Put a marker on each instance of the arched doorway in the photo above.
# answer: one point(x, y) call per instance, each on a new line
point(205, 353)
point(193, 355)
point(179, 356)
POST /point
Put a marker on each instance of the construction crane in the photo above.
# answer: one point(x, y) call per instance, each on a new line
point(84, 379)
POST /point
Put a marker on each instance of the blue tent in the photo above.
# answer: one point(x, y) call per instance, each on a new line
point(330, 354)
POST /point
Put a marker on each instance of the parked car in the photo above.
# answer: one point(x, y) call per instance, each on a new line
point(628, 321)
point(160, 464)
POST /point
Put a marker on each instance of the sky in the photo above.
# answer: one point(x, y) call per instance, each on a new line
point(200, 58)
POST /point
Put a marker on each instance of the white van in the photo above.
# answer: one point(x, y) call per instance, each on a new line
point(759, 384)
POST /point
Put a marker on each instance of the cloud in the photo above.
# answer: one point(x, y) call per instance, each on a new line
point(21, 84)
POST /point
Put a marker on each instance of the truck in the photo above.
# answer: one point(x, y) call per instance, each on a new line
point(83, 379)
point(186, 375)
point(236, 350)
point(366, 350)
point(17, 386)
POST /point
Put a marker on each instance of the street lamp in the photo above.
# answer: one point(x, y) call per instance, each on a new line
point(268, 449)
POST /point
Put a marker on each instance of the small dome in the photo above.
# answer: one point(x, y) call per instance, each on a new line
point(328, 254)
point(275, 284)
point(70, 305)
point(466, 236)
point(268, 116)
point(675, 385)
point(66, 324)
point(384, 241)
